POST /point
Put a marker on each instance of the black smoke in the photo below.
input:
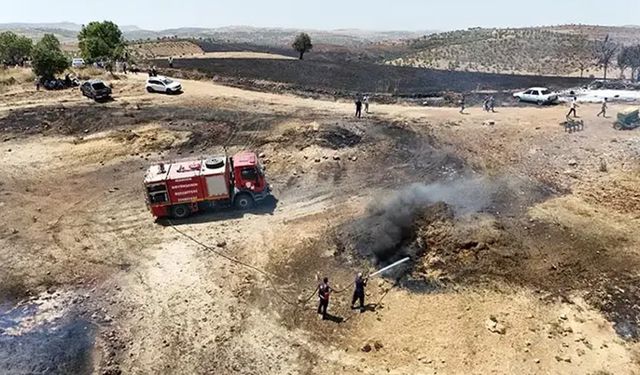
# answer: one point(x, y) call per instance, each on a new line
point(386, 230)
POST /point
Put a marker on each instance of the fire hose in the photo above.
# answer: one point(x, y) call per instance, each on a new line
point(380, 271)
point(270, 276)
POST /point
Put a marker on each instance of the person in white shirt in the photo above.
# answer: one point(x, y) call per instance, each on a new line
point(572, 110)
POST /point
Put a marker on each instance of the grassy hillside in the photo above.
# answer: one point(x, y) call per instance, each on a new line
point(547, 50)
point(177, 48)
point(627, 35)
point(519, 51)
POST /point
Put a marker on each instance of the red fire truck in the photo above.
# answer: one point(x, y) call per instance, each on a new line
point(181, 188)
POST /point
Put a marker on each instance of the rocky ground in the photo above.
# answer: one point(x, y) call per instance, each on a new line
point(522, 237)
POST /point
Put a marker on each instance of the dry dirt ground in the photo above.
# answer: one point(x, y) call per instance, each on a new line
point(528, 265)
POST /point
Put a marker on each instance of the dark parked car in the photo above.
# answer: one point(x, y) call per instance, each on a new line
point(96, 90)
point(60, 84)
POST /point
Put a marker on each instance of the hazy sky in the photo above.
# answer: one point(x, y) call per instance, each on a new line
point(326, 14)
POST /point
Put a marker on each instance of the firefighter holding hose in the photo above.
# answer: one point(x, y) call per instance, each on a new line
point(358, 292)
point(324, 290)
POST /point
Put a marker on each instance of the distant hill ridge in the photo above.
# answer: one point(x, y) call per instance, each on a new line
point(67, 31)
point(68, 26)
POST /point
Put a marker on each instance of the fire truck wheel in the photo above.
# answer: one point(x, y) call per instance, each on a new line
point(180, 211)
point(244, 202)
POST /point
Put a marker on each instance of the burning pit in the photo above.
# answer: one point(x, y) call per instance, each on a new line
point(403, 224)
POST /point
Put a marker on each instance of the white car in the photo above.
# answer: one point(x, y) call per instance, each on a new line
point(77, 62)
point(538, 95)
point(163, 84)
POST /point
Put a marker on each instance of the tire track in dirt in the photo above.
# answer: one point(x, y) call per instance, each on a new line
point(174, 308)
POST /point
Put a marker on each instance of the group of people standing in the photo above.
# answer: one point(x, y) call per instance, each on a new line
point(488, 104)
point(325, 290)
point(359, 102)
point(153, 72)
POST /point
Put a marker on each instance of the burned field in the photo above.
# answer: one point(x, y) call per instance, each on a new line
point(338, 78)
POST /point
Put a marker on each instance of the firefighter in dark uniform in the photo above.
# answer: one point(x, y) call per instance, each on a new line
point(324, 290)
point(358, 293)
point(358, 106)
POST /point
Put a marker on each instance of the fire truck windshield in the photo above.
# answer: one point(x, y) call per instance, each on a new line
point(249, 174)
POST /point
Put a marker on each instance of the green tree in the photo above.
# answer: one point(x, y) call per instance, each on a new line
point(48, 59)
point(101, 41)
point(14, 49)
point(302, 44)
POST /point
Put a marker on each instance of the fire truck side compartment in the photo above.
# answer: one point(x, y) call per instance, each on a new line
point(185, 190)
point(217, 187)
point(184, 182)
point(216, 181)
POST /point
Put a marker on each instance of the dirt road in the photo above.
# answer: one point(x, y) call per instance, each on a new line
point(539, 278)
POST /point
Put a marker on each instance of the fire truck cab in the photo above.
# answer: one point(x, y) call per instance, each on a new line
point(181, 188)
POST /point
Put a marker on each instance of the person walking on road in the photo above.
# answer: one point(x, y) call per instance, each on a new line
point(462, 107)
point(366, 103)
point(572, 110)
point(358, 293)
point(358, 107)
point(324, 290)
point(170, 61)
point(603, 111)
